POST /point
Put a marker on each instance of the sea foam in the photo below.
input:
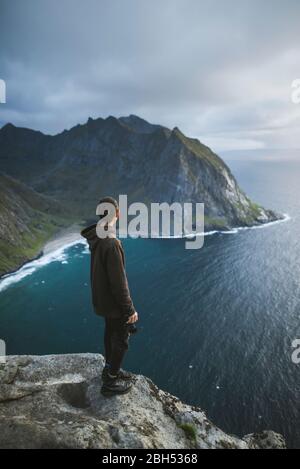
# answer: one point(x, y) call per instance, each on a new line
point(60, 255)
point(237, 229)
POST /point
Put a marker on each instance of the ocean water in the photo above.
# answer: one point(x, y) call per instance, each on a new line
point(216, 325)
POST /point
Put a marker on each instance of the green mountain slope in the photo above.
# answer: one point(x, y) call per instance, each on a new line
point(27, 220)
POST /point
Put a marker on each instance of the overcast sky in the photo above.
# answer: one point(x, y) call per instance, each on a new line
point(220, 70)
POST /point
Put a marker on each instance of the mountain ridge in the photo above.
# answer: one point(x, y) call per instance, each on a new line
point(127, 155)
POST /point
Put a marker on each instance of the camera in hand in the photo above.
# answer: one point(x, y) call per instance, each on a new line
point(132, 329)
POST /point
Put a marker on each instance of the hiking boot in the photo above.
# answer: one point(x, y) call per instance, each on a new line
point(125, 375)
point(114, 386)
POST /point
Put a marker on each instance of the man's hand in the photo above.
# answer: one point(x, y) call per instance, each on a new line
point(133, 318)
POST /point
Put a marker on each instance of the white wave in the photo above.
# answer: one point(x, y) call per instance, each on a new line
point(236, 230)
point(286, 217)
point(30, 267)
point(61, 256)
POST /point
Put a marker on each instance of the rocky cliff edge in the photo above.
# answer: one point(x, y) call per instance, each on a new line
point(55, 402)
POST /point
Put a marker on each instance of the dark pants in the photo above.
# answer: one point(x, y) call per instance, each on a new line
point(116, 339)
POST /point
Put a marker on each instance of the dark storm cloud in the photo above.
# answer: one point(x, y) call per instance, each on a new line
point(220, 70)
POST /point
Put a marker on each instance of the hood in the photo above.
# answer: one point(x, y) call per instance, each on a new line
point(90, 235)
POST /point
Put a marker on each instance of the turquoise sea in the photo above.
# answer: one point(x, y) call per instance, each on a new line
point(216, 325)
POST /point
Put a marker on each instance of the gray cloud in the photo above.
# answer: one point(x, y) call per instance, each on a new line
point(221, 71)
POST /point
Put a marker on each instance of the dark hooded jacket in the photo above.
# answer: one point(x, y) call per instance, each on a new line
point(110, 292)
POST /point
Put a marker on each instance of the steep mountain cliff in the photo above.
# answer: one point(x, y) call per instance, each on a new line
point(27, 220)
point(149, 163)
point(55, 402)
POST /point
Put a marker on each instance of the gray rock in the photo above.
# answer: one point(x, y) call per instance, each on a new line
point(55, 402)
point(265, 440)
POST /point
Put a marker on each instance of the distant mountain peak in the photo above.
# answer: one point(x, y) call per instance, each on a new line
point(138, 124)
point(8, 126)
point(177, 131)
point(134, 118)
point(128, 155)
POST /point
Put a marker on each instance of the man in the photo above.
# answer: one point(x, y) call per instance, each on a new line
point(111, 296)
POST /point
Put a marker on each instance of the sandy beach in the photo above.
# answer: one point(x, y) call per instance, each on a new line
point(52, 251)
point(63, 238)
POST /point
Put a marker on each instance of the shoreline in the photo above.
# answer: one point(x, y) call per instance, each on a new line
point(67, 237)
point(63, 238)
point(53, 250)
point(14, 271)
